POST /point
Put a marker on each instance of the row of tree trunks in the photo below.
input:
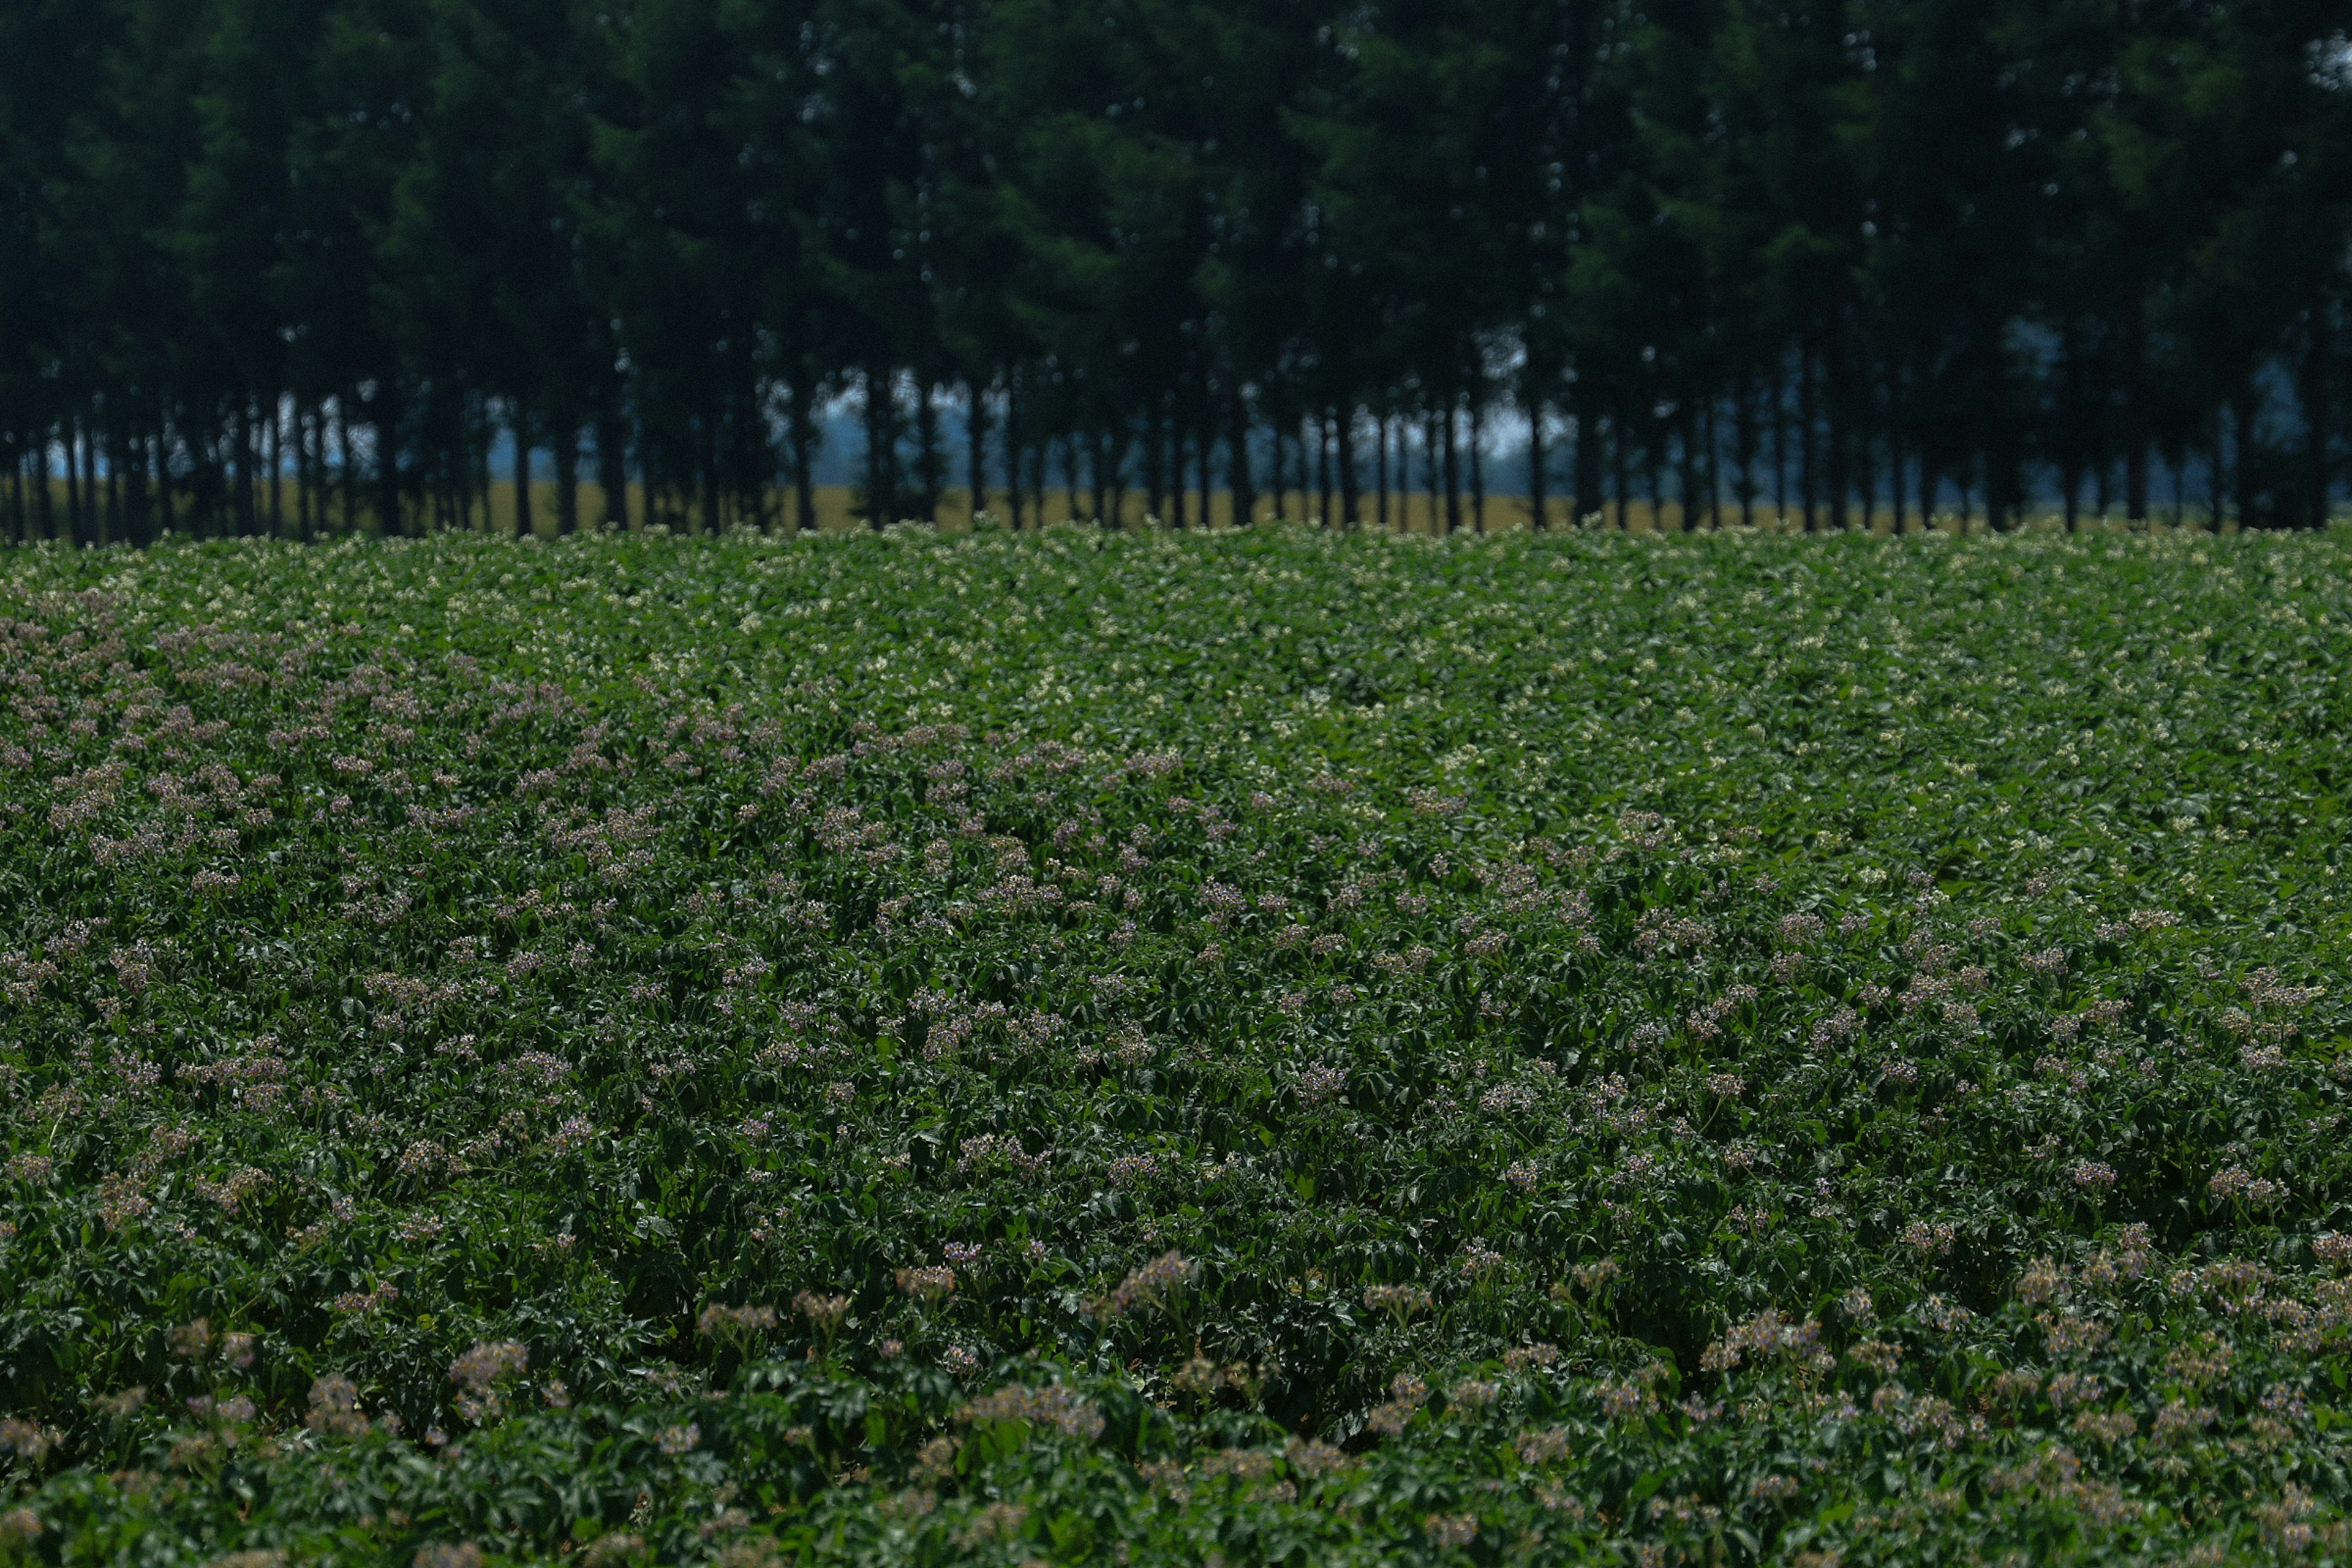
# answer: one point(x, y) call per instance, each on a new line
point(296, 469)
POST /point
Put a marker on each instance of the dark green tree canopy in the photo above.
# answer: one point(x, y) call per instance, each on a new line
point(1925, 255)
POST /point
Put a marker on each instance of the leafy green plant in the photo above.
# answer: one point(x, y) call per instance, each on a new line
point(899, 1050)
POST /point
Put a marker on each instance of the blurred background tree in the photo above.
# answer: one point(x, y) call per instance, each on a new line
point(290, 268)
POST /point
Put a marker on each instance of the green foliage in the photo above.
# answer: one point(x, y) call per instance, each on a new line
point(1275, 1047)
point(304, 266)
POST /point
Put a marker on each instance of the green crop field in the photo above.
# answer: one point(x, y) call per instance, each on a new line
point(1260, 1047)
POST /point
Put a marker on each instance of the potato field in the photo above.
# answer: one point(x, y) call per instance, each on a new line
point(1272, 1046)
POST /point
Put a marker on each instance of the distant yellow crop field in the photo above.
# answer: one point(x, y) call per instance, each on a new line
point(1414, 512)
point(837, 508)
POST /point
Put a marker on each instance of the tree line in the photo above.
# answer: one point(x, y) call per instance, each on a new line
point(304, 266)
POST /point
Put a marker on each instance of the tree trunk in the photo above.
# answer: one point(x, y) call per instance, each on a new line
point(1381, 468)
point(1689, 485)
point(1653, 461)
point(477, 455)
point(131, 453)
point(1178, 512)
point(276, 469)
point(522, 474)
point(928, 467)
point(1155, 450)
point(472, 460)
point(1278, 506)
point(164, 499)
point(1538, 502)
point(344, 467)
point(1432, 468)
point(2220, 469)
point(567, 477)
point(1779, 447)
point(1714, 440)
point(2135, 421)
point(613, 468)
point(110, 531)
point(1335, 504)
point(1621, 476)
point(1204, 444)
point(1024, 469)
point(1013, 489)
point(1452, 470)
point(306, 475)
point(1303, 452)
point(1281, 479)
point(1866, 444)
point(1098, 470)
point(2073, 425)
point(322, 474)
point(1477, 465)
point(1238, 480)
point(1743, 439)
point(93, 519)
point(47, 495)
point(975, 431)
point(1894, 460)
point(249, 481)
point(238, 513)
point(2249, 456)
point(715, 519)
point(1806, 419)
point(389, 518)
point(1351, 509)
point(881, 449)
point(2318, 414)
point(1838, 405)
point(1585, 481)
point(97, 487)
point(1321, 424)
point(2004, 484)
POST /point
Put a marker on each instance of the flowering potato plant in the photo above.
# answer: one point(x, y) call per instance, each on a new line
point(1256, 1047)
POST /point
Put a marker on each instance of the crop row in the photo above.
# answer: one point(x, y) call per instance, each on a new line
point(1080, 1047)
